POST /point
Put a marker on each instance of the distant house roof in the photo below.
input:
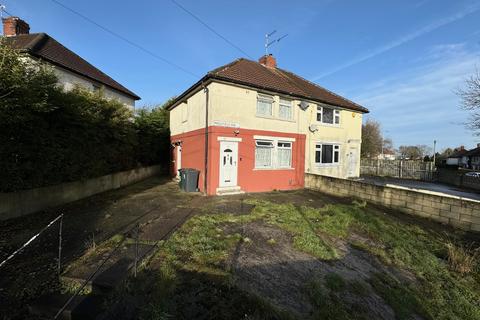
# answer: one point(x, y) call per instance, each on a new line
point(42, 46)
point(256, 75)
point(459, 153)
point(473, 153)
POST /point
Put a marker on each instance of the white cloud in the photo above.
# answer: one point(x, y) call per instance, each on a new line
point(402, 40)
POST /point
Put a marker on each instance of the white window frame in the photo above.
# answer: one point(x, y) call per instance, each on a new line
point(284, 148)
point(336, 116)
point(283, 102)
point(268, 99)
point(275, 141)
point(258, 145)
point(336, 149)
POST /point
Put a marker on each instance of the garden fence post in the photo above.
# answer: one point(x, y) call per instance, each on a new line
point(59, 264)
point(400, 173)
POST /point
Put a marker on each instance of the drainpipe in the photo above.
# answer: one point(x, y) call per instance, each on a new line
point(205, 90)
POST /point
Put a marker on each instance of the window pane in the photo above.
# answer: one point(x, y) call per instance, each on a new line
point(327, 155)
point(284, 158)
point(263, 157)
point(336, 156)
point(285, 144)
point(327, 115)
point(318, 153)
point(319, 114)
point(337, 117)
point(285, 111)
point(264, 143)
point(264, 108)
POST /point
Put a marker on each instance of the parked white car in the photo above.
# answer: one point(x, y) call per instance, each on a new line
point(473, 174)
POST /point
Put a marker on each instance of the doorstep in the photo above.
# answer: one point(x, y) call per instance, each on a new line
point(223, 191)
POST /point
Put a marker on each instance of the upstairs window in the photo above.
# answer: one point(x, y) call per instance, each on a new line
point(327, 153)
point(285, 110)
point(328, 115)
point(264, 106)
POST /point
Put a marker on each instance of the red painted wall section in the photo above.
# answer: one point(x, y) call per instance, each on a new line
point(249, 178)
point(193, 152)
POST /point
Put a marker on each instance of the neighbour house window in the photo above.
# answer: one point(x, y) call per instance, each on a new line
point(264, 105)
point(327, 153)
point(284, 154)
point(285, 110)
point(263, 154)
point(328, 115)
point(273, 154)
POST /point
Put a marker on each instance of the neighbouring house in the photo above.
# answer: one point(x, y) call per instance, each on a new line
point(71, 69)
point(458, 157)
point(250, 126)
point(387, 155)
point(473, 158)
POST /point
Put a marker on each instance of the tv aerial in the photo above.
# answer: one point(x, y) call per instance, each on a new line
point(269, 42)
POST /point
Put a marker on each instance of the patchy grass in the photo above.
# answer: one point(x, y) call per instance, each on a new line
point(445, 282)
point(463, 259)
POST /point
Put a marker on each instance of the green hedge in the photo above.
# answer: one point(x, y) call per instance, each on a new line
point(49, 136)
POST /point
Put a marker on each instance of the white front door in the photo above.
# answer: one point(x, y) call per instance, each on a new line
point(228, 163)
point(352, 163)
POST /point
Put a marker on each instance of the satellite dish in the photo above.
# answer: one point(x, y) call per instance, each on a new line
point(303, 105)
point(313, 128)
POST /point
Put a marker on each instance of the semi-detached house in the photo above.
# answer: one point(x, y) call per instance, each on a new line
point(71, 69)
point(250, 126)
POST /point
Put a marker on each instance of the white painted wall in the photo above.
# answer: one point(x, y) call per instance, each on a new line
point(69, 80)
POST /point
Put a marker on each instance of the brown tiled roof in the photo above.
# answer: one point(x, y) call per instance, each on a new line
point(43, 46)
point(254, 74)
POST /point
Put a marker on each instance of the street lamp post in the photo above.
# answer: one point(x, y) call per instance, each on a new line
point(434, 156)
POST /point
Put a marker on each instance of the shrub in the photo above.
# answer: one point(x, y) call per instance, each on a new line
point(49, 136)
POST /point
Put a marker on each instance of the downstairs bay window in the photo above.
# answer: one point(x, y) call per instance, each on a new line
point(327, 154)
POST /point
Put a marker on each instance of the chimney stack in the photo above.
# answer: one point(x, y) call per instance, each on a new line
point(13, 26)
point(268, 61)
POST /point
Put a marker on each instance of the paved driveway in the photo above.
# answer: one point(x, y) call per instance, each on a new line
point(440, 188)
point(92, 220)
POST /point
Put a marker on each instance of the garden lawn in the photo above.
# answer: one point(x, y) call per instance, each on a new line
point(338, 260)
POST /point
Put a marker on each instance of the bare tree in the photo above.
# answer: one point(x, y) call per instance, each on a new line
point(372, 140)
point(470, 101)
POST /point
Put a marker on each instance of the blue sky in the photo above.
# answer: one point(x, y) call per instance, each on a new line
point(401, 59)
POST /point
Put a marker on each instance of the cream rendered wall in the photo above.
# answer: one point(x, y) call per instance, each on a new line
point(348, 135)
point(238, 105)
point(189, 115)
point(69, 80)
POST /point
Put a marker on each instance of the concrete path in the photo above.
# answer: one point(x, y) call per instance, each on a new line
point(422, 185)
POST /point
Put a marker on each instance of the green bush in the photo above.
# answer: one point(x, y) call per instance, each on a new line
point(49, 136)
